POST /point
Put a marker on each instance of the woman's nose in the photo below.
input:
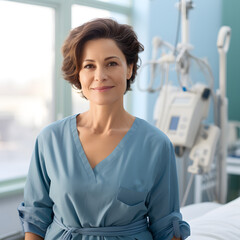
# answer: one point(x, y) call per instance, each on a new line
point(100, 74)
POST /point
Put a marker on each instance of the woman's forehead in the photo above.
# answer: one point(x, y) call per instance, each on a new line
point(101, 47)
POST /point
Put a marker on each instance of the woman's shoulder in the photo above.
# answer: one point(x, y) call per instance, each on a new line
point(155, 143)
point(57, 127)
point(148, 130)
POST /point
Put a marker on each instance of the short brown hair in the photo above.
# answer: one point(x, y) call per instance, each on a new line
point(122, 34)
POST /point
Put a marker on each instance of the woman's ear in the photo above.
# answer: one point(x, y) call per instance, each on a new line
point(129, 71)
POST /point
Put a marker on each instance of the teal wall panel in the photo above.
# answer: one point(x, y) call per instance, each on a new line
point(231, 17)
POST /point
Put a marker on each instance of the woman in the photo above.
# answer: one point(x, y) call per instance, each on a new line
point(102, 174)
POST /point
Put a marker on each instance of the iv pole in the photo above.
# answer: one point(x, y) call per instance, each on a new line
point(184, 7)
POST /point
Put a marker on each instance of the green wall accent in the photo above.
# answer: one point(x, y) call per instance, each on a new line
point(231, 17)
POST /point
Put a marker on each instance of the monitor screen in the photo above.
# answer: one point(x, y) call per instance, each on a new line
point(174, 123)
point(181, 100)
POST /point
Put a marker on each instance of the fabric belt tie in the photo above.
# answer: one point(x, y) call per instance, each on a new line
point(113, 231)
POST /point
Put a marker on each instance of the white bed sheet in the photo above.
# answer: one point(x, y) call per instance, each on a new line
point(211, 221)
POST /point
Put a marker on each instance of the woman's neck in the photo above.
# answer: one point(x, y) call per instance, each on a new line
point(105, 119)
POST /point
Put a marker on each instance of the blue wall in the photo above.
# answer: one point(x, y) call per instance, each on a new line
point(159, 18)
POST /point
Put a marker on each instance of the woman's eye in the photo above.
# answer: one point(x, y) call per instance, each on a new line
point(112, 64)
point(88, 66)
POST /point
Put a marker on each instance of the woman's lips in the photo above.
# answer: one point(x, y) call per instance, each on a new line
point(102, 89)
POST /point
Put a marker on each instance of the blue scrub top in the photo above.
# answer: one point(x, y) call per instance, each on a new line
point(138, 180)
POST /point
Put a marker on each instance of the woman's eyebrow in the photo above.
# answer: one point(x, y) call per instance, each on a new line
point(107, 58)
point(88, 60)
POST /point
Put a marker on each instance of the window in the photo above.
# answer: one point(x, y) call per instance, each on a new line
point(26, 78)
point(121, 2)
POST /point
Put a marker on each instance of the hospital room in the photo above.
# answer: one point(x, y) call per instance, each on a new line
point(119, 119)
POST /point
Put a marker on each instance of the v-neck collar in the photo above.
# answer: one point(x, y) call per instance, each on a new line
point(110, 158)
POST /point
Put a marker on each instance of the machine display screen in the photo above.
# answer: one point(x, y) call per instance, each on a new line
point(174, 123)
point(183, 100)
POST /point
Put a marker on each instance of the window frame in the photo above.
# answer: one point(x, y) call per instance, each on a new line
point(62, 91)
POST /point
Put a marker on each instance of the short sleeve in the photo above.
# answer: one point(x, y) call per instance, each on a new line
point(35, 211)
point(165, 219)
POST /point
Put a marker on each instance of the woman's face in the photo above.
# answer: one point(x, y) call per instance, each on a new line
point(103, 72)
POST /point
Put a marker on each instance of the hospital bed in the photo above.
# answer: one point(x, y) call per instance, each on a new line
point(213, 221)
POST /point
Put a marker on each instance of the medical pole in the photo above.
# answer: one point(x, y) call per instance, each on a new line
point(184, 41)
point(185, 22)
point(222, 45)
point(184, 8)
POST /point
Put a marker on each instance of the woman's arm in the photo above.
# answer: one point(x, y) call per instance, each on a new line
point(36, 211)
point(165, 219)
point(32, 236)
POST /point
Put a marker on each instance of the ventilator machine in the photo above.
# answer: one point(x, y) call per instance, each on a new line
point(181, 109)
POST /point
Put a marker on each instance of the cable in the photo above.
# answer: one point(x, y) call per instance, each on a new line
point(149, 88)
point(202, 63)
point(187, 190)
point(163, 63)
point(206, 179)
point(159, 120)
